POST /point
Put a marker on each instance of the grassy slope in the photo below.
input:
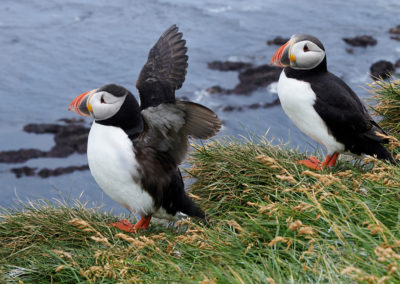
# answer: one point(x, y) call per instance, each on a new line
point(270, 220)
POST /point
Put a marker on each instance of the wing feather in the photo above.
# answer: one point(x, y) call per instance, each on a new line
point(164, 71)
point(200, 121)
point(343, 111)
point(170, 125)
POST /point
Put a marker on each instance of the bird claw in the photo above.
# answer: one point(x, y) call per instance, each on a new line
point(315, 164)
point(124, 225)
point(312, 163)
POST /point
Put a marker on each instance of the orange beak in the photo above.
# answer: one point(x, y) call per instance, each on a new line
point(281, 56)
point(80, 104)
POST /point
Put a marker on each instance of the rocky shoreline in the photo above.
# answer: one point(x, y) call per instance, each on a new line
point(250, 79)
point(70, 136)
point(45, 172)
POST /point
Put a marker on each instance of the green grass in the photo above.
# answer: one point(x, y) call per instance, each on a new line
point(387, 94)
point(271, 220)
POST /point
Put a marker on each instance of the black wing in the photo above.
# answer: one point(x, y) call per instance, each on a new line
point(164, 71)
point(164, 145)
point(168, 127)
point(343, 112)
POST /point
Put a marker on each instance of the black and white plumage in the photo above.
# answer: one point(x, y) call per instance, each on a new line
point(322, 105)
point(134, 151)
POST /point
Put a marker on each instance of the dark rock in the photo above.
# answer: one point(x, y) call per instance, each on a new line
point(254, 106)
point(278, 41)
point(40, 128)
point(68, 139)
point(363, 41)
point(218, 90)
point(397, 64)
point(228, 65)
point(45, 173)
point(23, 171)
point(72, 120)
point(60, 151)
point(232, 108)
point(229, 108)
point(395, 38)
point(273, 103)
point(395, 30)
point(250, 80)
point(20, 156)
point(381, 69)
point(350, 50)
point(253, 78)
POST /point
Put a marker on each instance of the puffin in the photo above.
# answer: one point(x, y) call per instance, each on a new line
point(323, 106)
point(134, 150)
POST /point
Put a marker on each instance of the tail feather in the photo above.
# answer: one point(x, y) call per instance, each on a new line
point(383, 154)
point(190, 208)
point(176, 200)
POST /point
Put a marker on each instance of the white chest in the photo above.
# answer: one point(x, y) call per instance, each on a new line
point(297, 100)
point(113, 165)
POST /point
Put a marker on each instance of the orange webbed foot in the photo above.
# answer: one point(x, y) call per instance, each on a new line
point(312, 163)
point(124, 225)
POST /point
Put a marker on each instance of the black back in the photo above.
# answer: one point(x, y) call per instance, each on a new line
point(343, 112)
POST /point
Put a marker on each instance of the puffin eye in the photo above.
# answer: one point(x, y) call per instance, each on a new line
point(305, 48)
point(102, 100)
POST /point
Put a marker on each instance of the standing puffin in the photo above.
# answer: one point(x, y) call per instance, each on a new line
point(322, 105)
point(134, 151)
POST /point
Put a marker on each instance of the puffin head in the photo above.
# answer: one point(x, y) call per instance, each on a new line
point(303, 52)
point(102, 103)
point(111, 105)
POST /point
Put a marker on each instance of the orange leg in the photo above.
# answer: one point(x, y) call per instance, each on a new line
point(126, 226)
point(315, 164)
point(331, 160)
point(146, 222)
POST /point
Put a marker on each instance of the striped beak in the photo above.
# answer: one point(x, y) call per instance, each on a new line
point(281, 56)
point(81, 104)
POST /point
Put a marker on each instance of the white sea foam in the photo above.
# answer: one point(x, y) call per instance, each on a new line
point(218, 10)
point(273, 88)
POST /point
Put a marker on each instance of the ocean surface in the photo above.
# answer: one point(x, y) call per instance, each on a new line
point(51, 51)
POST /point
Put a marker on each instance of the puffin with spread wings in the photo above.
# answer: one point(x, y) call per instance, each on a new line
point(134, 151)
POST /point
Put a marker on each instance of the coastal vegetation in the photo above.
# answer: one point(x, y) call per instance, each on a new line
point(270, 220)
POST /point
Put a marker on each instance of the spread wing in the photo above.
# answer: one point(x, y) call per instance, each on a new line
point(343, 111)
point(164, 71)
point(168, 127)
point(164, 143)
